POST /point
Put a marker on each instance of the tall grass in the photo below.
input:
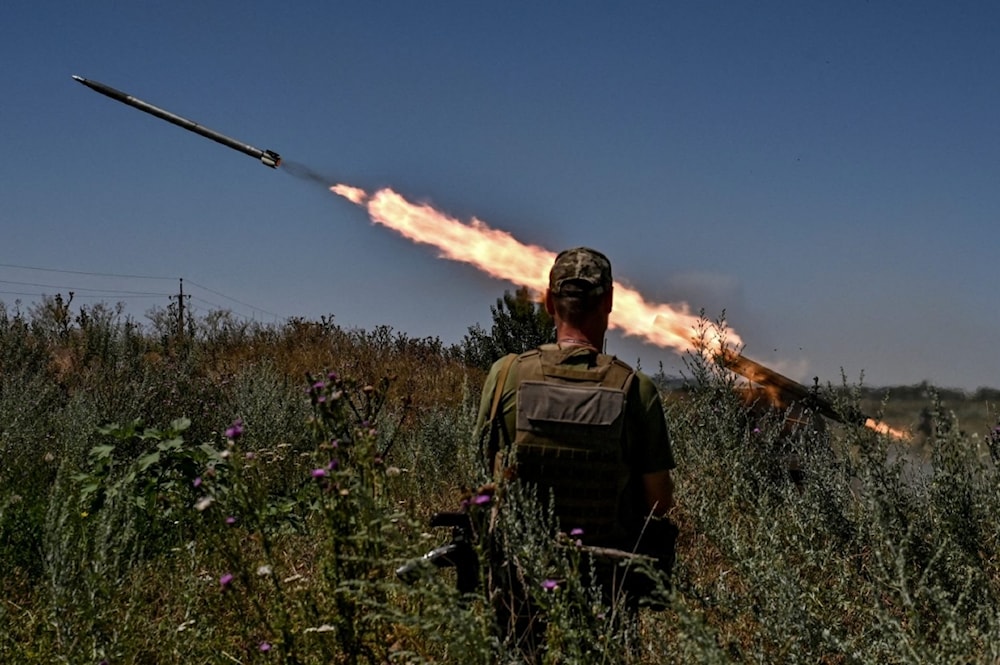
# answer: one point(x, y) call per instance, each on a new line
point(200, 500)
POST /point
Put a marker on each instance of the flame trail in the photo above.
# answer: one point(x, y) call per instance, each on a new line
point(501, 255)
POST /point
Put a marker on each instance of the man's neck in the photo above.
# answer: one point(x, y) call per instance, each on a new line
point(572, 336)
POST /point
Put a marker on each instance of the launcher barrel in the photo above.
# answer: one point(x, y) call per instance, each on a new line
point(786, 391)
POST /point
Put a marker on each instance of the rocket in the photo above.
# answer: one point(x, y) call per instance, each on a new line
point(267, 157)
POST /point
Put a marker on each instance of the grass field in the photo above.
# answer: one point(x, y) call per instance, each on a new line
point(198, 499)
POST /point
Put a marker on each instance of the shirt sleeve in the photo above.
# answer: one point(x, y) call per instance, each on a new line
point(483, 432)
point(649, 443)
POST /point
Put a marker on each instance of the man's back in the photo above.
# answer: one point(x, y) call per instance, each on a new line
point(582, 426)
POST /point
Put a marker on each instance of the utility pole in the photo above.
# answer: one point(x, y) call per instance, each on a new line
point(180, 309)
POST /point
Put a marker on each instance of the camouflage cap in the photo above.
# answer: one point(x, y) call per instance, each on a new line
point(580, 271)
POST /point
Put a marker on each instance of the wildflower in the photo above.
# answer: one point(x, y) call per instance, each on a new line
point(225, 580)
point(265, 647)
point(481, 499)
point(550, 585)
point(576, 533)
point(318, 473)
point(334, 464)
point(196, 482)
point(230, 520)
point(235, 430)
point(319, 385)
point(756, 430)
point(204, 503)
point(250, 455)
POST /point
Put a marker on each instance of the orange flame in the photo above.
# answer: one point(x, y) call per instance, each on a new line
point(501, 255)
point(882, 428)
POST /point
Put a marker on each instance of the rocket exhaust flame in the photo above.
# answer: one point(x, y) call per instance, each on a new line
point(500, 255)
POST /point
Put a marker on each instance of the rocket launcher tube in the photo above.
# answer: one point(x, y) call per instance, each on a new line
point(791, 391)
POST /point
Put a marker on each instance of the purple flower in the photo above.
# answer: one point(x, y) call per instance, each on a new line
point(319, 385)
point(225, 580)
point(265, 646)
point(235, 430)
point(196, 482)
point(481, 499)
point(577, 532)
point(334, 463)
point(318, 473)
point(756, 430)
point(550, 585)
point(230, 520)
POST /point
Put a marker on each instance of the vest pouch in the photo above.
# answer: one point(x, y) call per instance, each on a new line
point(587, 418)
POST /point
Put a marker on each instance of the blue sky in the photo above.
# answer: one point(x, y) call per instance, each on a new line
point(826, 173)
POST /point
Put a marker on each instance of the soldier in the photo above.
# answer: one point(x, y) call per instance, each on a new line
point(582, 426)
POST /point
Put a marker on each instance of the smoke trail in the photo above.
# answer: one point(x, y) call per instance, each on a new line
point(306, 173)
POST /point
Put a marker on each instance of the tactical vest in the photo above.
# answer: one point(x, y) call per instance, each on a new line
point(570, 436)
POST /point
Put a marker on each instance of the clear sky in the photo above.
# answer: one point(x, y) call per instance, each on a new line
point(826, 173)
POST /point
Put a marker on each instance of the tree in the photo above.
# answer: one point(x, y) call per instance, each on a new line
point(520, 323)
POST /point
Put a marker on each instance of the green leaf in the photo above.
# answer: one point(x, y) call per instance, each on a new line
point(180, 424)
point(102, 451)
point(89, 489)
point(170, 444)
point(149, 460)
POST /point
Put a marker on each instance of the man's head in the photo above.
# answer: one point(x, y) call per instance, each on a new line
point(580, 286)
point(580, 271)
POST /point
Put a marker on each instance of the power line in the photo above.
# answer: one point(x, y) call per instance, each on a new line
point(82, 272)
point(84, 288)
point(223, 295)
point(77, 295)
point(124, 292)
